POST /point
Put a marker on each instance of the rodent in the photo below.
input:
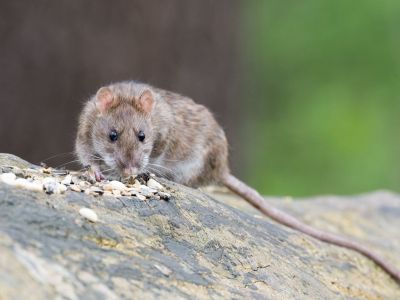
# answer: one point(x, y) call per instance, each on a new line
point(131, 128)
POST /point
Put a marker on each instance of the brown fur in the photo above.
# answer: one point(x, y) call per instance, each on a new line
point(177, 131)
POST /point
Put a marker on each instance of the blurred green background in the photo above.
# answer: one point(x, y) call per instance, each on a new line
point(321, 95)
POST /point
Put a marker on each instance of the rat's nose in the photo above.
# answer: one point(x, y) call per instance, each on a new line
point(130, 171)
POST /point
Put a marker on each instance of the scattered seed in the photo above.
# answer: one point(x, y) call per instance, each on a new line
point(146, 191)
point(154, 184)
point(46, 171)
point(126, 193)
point(35, 185)
point(140, 197)
point(75, 180)
point(67, 180)
point(131, 179)
point(51, 186)
point(143, 178)
point(96, 190)
point(8, 178)
point(89, 214)
point(61, 188)
point(164, 196)
point(114, 185)
point(75, 188)
point(84, 184)
point(116, 193)
point(60, 172)
point(33, 179)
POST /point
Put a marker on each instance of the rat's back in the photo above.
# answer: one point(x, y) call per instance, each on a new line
point(196, 147)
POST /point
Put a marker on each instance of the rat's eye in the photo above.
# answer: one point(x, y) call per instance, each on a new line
point(113, 135)
point(141, 136)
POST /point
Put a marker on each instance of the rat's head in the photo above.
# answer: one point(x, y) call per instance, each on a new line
point(122, 132)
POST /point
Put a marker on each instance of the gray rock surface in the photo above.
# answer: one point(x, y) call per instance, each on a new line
point(192, 246)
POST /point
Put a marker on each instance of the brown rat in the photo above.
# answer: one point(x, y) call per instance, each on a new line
point(131, 127)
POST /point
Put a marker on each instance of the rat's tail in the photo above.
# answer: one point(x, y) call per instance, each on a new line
point(256, 200)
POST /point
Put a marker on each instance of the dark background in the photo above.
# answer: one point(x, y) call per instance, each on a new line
point(55, 54)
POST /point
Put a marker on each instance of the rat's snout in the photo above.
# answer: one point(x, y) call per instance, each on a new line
point(129, 164)
point(130, 171)
point(131, 168)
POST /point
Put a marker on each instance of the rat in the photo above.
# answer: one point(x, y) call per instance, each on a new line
point(130, 128)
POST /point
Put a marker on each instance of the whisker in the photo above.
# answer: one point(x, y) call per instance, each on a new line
point(57, 155)
point(158, 172)
point(160, 166)
point(108, 170)
point(67, 163)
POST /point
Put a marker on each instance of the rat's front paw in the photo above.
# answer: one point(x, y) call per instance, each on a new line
point(99, 176)
point(94, 174)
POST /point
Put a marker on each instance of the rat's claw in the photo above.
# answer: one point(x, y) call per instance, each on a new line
point(99, 176)
point(94, 174)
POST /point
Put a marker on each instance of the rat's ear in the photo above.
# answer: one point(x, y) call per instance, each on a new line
point(146, 101)
point(104, 99)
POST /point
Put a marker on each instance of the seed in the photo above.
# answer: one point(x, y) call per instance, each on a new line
point(164, 196)
point(154, 184)
point(51, 186)
point(75, 188)
point(146, 190)
point(116, 193)
point(46, 170)
point(140, 197)
point(60, 172)
point(88, 214)
point(136, 184)
point(8, 178)
point(84, 184)
point(67, 180)
point(114, 185)
point(75, 179)
point(29, 185)
point(96, 190)
point(117, 185)
point(35, 185)
point(61, 188)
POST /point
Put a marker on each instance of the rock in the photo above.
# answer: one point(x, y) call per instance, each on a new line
point(192, 246)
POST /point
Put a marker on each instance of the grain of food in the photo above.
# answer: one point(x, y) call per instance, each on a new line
point(154, 184)
point(67, 180)
point(8, 178)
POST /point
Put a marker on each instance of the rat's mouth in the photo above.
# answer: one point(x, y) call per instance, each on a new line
point(130, 171)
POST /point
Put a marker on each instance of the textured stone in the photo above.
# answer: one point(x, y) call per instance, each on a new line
point(192, 246)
